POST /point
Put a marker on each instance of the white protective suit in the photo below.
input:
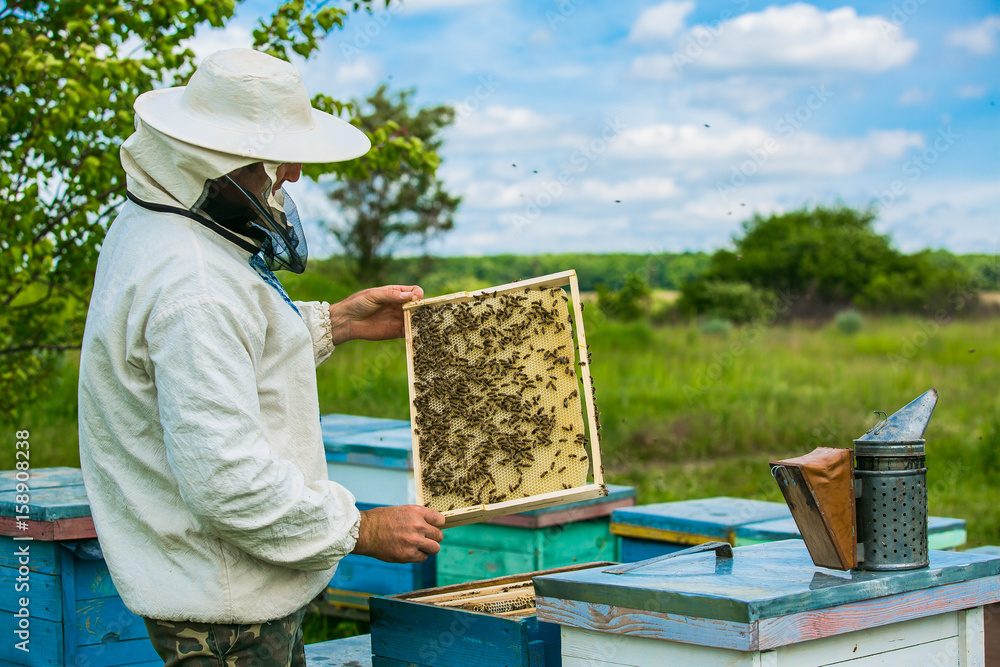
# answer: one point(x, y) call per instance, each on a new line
point(199, 417)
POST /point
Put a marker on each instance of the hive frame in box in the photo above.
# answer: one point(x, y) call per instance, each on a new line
point(477, 513)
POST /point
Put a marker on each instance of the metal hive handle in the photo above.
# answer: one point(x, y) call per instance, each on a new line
point(721, 549)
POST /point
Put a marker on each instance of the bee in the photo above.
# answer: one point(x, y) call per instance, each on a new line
point(544, 473)
point(563, 469)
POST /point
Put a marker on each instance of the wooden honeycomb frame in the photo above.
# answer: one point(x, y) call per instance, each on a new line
point(588, 490)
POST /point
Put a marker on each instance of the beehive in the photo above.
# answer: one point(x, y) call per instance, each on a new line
point(499, 379)
point(488, 623)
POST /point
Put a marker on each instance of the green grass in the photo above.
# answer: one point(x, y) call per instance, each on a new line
point(688, 415)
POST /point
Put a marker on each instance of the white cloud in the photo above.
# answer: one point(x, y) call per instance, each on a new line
point(979, 39)
point(640, 189)
point(914, 95)
point(660, 22)
point(363, 73)
point(793, 37)
point(743, 94)
point(207, 41)
point(686, 146)
point(496, 120)
point(970, 91)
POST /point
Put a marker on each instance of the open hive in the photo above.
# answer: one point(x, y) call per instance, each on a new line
point(496, 405)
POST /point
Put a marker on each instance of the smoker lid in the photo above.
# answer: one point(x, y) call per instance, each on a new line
point(907, 424)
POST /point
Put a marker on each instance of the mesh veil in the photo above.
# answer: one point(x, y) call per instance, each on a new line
point(247, 207)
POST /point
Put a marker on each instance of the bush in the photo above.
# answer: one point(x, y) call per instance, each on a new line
point(627, 304)
point(716, 326)
point(848, 322)
point(734, 301)
point(823, 260)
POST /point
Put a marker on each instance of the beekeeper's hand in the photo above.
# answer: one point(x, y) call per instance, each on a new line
point(406, 534)
point(372, 314)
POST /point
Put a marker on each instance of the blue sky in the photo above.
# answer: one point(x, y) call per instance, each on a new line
point(661, 126)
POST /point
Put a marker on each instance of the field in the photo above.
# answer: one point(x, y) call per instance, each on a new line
point(688, 413)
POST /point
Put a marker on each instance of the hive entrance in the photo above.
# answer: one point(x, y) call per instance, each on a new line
point(496, 397)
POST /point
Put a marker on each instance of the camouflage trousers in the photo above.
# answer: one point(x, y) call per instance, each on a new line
point(275, 643)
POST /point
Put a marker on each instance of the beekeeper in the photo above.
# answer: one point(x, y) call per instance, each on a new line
point(199, 417)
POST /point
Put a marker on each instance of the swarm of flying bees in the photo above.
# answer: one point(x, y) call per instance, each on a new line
point(496, 397)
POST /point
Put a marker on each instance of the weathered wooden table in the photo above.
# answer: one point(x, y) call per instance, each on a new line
point(769, 605)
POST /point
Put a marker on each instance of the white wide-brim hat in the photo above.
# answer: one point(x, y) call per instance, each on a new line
point(246, 103)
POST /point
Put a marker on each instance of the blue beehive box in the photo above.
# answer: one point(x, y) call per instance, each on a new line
point(373, 459)
point(942, 533)
point(74, 614)
point(647, 531)
point(439, 628)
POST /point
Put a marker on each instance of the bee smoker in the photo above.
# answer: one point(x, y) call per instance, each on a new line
point(871, 515)
point(891, 489)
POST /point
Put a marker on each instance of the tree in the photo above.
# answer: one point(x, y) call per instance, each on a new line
point(821, 260)
point(69, 74)
point(386, 203)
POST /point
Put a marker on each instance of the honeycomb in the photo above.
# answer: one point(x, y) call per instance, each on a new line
point(496, 408)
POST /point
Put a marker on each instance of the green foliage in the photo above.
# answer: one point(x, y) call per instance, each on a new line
point(848, 322)
point(823, 259)
point(392, 194)
point(716, 326)
point(67, 84)
point(443, 275)
point(628, 303)
point(735, 301)
point(687, 415)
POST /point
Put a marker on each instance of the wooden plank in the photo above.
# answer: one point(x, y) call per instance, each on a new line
point(106, 620)
point(590, 647)
point(669, 536)
point(93, 580)
point(371, 576)
point(562, 515)
point(775, 580)
point(478, 513)
point(348, 652)
point(410, 378)
point(41, 478)
point(442, 637)
point(67, 574)
point(803, 626)
point(77, 528)
point(44, 594)
point(118, 654)
point(639, 623)
point(49, 504)
point(971, 638)
point(870, 641)
point(558, 279)
point(991, 631)
point(588, 382)
point(45, 642)
point(42, 556)
point(513, 579)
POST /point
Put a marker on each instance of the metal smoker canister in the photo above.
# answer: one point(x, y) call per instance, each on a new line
point(892, 480)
